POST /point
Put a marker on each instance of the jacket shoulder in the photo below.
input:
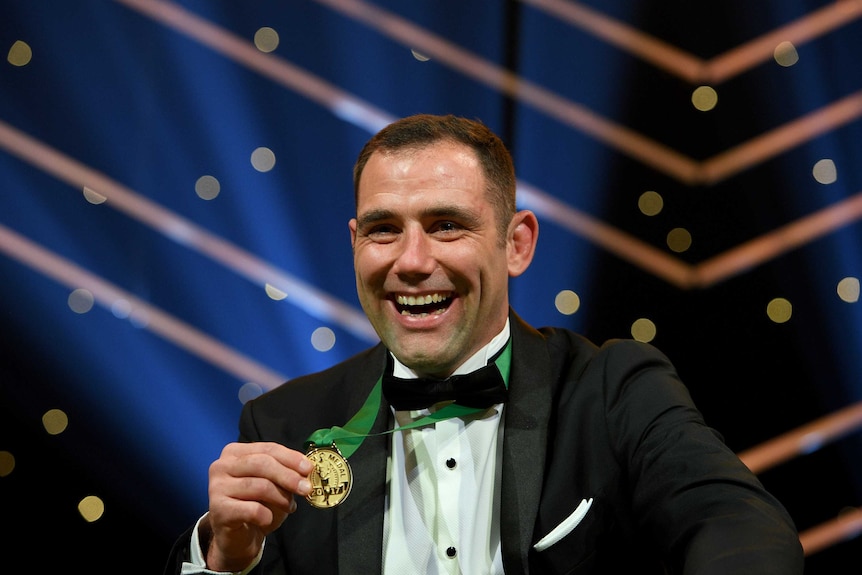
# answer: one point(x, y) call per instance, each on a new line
point(326, 398)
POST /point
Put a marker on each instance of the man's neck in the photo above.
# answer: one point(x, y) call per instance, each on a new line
point(474, 362)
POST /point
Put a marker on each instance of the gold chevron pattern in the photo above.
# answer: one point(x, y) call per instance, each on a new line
point(655, 154)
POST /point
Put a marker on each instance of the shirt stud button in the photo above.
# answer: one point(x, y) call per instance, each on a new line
point(451, 463)
point(451, 552)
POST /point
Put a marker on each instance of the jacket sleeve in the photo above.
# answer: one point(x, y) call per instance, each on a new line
point(708, 513)
point(179, 553)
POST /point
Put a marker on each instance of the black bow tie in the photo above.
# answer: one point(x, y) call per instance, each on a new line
point(482, 388)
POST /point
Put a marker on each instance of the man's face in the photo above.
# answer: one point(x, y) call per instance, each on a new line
point(431, 270)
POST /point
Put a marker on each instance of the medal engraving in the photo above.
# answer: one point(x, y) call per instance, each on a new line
point(331, 478)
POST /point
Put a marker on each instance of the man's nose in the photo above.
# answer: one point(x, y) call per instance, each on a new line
point(416, 255)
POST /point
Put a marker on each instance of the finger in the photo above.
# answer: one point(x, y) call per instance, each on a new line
point(290, 458)
point(263, 462)
point(253, 489)
point(255, 472)
point(261, 514)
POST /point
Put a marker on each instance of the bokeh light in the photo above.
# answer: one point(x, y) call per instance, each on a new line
point(207, 187)
point(55, 421)
point(567, 302)
point(91, 508)
point(263, 159)
point(266, 39)
point(679, 240)
point(323, 339)
point(825, 172)
point(81, 300)
point(19, 54)
point(93, 196)
point(7, 463)
point(779, 310)
point(785, 54)
point(650, 203)
point(848, 289)
point(704, 98)
point(643, 330)
point(274, 293)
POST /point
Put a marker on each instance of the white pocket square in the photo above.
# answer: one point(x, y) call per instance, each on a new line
point(566, 527)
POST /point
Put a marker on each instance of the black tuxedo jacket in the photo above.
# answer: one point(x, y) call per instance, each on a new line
point(613, 424)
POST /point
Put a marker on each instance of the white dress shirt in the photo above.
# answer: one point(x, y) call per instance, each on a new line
point(443, 503)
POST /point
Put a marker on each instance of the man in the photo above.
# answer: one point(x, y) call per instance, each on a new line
point(589, 460)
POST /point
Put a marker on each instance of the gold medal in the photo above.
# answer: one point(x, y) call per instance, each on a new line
point(331, 478)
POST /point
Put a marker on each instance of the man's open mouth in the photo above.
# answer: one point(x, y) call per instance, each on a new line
point(422, 305)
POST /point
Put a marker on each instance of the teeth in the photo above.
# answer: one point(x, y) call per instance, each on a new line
point(423, 314)
point(421, 300)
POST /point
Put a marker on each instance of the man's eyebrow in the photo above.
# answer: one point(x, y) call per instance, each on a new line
point(372, 217)
point(458, 213)
point(375, 216)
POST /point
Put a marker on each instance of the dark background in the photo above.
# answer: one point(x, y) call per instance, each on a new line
point(138, 104)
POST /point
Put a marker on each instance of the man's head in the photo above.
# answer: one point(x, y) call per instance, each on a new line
point(422, 130)
point(436, 238)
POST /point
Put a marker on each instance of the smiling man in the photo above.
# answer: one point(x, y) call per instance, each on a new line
point(468, 442)
point(431, 257)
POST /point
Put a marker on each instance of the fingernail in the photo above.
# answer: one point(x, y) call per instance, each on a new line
point(304, 486)
point(305, 466)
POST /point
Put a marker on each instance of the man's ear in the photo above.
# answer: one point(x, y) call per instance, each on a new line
point(523, 235)
point(352, 225)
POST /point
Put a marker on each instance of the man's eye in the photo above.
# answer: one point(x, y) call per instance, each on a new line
point(380, 229)
point(381, 232)
point(447, 226)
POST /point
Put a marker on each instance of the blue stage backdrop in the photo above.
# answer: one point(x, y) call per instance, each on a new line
point(175, 186)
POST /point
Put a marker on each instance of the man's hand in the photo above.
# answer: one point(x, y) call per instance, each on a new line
point(251, 491)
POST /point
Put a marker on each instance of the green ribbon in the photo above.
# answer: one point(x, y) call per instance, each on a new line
point(349, 437)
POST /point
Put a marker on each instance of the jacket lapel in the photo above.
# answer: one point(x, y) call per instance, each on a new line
point(360, 517)
point(524, 444)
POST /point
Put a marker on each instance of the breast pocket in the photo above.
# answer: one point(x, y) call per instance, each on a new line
point(572, 544)
point(566, 526)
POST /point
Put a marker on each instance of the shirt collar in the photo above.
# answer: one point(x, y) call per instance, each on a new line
point(477, 360)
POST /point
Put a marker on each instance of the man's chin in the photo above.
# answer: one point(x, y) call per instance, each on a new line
point(426, 359)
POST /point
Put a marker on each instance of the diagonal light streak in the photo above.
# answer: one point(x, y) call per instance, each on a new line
point(843, 528)
point(359, 112)
point(634, 144)
point(691, 68)
point(185, 232)
point(805, 439)
point(240, 50)
point(370, 118)
point(155, 320)
point(364, 115)
point(782, 138)
point(812, 25)
point(631, 40)
point(574, 115)
point(772, 244)
point(628, 247)
point(367, 116)
point(319, 304)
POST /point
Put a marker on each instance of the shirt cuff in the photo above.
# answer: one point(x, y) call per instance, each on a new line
point(197, 564)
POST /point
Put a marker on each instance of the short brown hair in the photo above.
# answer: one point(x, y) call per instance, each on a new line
point(422, 130)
